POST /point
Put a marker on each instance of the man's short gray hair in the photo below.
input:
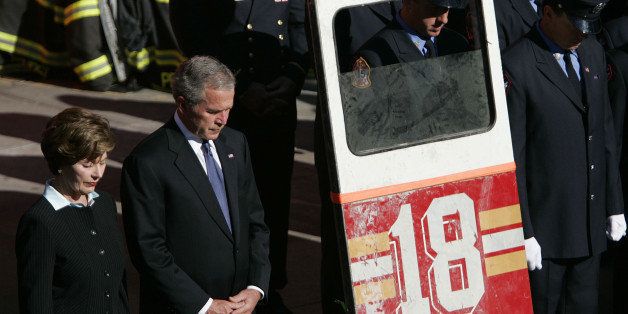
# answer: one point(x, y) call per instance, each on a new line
point(197, 73)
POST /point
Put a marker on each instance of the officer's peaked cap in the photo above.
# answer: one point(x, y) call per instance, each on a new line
point(452, 4)
point(584, 14)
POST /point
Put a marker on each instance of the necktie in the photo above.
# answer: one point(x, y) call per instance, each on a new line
point(430, 49)
point(571, 74)
point(217, 181)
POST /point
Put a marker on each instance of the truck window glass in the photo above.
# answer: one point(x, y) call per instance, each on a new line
point(410, 103)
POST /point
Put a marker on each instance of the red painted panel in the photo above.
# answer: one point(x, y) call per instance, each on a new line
point(425, 250)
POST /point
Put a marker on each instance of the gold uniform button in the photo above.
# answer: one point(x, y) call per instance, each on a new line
point(249, 26)
point(280, 36)
point(279, 22)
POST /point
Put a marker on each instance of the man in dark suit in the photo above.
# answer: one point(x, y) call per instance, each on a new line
point(193, 219)
point(253, 39)
point(515, 18)
point(566, 154)
point(417, 32)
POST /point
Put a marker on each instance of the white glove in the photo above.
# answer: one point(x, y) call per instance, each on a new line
point(533, 254)
point(615, 227)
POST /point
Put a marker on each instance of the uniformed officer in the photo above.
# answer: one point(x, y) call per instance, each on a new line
point(614, 37)
point(566, 154)
point(618, 91)
point(515, 18)
point(354, 26)
point(417, 32)
point(252, 38)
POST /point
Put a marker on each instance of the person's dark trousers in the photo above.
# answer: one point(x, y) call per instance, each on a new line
point(618, 252)
point(566, 286)
point(271, 143)
point(332, 296)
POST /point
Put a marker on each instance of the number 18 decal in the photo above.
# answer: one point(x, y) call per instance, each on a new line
point(455, 278)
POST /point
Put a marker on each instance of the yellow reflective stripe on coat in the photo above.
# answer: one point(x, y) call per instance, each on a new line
point(94, 69)
point(167, 57)
point(58, 10)
point(138, 59)
point(80, 9)
point(163, 1)
point(23, 47)
point(7, 42)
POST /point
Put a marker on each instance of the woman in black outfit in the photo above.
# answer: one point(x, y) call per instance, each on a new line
point(68, 245)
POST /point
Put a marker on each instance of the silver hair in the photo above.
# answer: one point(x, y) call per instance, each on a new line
point(196, 74)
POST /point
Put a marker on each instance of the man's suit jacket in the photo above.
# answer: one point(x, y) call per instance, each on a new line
point(177, 236)
point(514, 19)
point(392, 45)
point(71, 260)
point(564, 148)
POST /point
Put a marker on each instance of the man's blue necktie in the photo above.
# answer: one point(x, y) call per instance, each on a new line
point(217, 182)
point(571, 73)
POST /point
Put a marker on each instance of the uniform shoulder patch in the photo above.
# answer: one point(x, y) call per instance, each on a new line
point(361, 73)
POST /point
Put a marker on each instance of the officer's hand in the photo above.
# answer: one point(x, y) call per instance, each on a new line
point(282, 88)
point(246, 300)
point(222, 307)
point(533, 254)
point(615, 227)
point(254, 98)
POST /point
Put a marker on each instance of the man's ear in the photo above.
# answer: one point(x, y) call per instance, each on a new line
point(180, 102)
point(550, 11)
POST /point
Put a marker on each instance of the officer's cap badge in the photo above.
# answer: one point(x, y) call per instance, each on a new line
point(361, 73)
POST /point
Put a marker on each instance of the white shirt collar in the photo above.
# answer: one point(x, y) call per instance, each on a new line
point(58, 201)
point(195, 143)
point(190, 136)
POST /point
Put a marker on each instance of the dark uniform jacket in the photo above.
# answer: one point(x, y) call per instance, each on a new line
point(354, 26)
point(71, 260)
point(618, 92)
point(392, 45)
point(564, 148)
point(177, 236)
point(249, 36)
point(614, 34)
point(514, 19)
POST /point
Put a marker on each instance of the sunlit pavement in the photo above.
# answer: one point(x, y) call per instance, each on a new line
point(25, 108)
